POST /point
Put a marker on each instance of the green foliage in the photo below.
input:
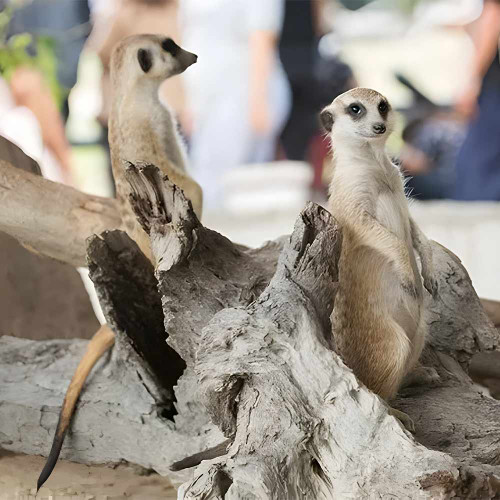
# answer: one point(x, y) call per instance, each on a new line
point(406, 6)
point(14, 53)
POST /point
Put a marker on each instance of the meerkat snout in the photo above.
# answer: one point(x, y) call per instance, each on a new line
point(358, 115)
point(183, 57)
point(379, 128)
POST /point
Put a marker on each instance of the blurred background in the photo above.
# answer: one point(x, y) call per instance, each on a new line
point(248, 110)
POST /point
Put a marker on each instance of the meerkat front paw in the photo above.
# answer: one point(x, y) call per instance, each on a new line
point(403, 418)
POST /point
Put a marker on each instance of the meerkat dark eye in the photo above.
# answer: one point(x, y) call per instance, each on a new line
point(354, 109)
point(168, 45)
point(383, 108)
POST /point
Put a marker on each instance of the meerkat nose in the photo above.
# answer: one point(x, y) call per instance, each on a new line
point(379, 128)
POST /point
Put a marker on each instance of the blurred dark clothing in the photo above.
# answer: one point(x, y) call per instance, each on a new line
point(440, 140)
point(298, 24)
point(67, 22)
point(298, 47)
point(478, 164)
point(492, 76)
point(315, 80)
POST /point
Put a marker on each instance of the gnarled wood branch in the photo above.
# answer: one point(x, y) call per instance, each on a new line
point(50, 218)
point(260, 369)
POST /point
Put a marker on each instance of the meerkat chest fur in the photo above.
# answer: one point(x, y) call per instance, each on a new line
point(367, 192)
point(148, 132)
point(365, 180)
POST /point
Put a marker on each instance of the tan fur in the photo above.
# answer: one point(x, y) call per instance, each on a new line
point(379, 316)
point(141, 130)
point(99, 344)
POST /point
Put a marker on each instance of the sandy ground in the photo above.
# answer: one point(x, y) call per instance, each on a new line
point(70, 481)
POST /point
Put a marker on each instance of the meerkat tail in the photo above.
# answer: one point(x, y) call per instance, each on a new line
point(102, 340)
point(196, 459)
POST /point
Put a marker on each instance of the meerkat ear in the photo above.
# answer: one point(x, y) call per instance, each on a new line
point(327, 120)
point(145, 59)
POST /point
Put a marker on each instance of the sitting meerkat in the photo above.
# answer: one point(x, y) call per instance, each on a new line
point(379, 317)
point(141, 130)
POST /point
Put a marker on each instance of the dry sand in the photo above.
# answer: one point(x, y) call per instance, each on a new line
point(70, 481)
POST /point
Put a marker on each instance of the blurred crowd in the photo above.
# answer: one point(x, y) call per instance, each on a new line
point(265, 69)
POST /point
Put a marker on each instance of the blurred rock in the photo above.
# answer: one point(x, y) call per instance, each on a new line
point(485, 370)
point(41, 298)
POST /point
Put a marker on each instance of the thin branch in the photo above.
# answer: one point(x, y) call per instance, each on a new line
point(50, 218)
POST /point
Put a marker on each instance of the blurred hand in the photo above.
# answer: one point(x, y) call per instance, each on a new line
point(186, 120)
point(466, 104)
point(414, 161)
point(260, 119)
point(66, 173)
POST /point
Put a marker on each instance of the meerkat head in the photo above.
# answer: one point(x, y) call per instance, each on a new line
point(151, 57)
point(359, 115)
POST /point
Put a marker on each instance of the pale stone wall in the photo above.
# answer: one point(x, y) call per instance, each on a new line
point(471, 231)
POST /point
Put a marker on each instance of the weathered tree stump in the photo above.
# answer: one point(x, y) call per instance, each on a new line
point(237, 343)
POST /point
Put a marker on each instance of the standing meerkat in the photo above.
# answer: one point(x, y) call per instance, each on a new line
point(141, 130)
point(379, 317)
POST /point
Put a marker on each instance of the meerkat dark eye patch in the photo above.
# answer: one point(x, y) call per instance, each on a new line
point(327, 120)
point(168, 45)
point(355, 110)
point(383, 108)
point(145, 59)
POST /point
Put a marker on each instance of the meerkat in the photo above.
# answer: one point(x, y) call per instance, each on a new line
point(379, 317)
point(379, 320)
point(141, 130)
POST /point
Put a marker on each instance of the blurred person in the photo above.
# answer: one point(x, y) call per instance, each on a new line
point(429, 156)
point(29, 90)
point(238, 94)
point(478, 164)
point(315, 80)
point(134, 17)
point(67, 23)
point(118, 19)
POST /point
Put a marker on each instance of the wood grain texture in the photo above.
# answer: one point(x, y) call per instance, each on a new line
point(50, 218)
point(253, 329)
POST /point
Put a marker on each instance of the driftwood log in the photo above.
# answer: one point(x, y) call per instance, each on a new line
point(40, 298)
point(49, 218)
point(221, 341)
